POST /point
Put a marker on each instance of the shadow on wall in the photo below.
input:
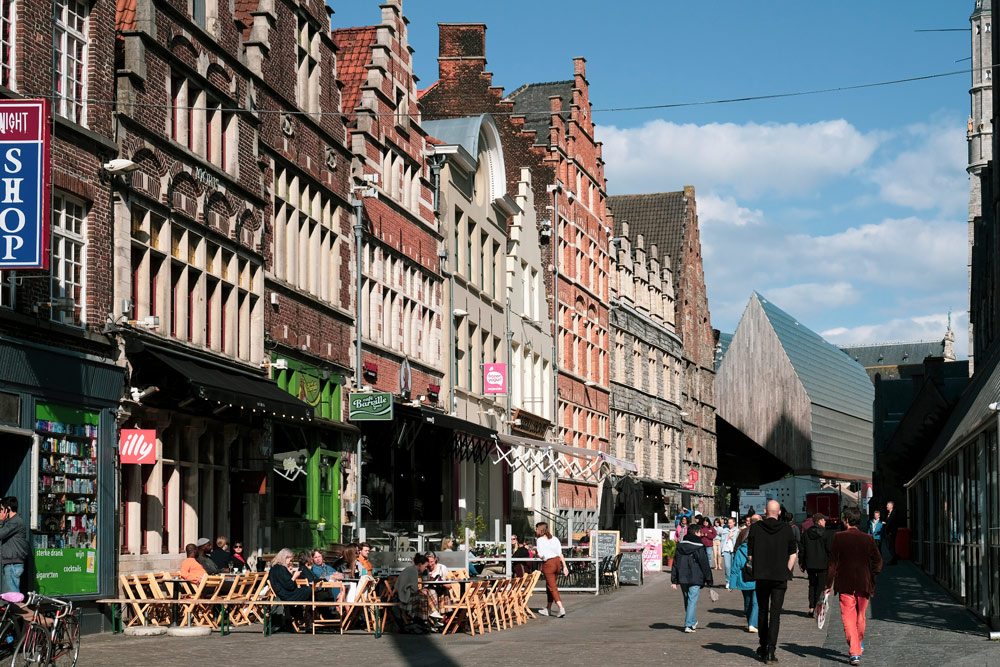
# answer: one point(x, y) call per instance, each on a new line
point(745, 464)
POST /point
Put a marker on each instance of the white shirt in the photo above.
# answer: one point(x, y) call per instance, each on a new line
point(548, 547)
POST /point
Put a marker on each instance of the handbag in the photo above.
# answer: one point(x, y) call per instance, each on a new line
point(747, 571)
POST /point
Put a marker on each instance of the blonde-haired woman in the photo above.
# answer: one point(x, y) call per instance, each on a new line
point(279, 577)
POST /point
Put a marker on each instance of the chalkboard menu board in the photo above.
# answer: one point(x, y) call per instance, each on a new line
point(607, 543)
point(630, 568)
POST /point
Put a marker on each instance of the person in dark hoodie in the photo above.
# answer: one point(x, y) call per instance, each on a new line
point(814, 557)
point(771, 548)
point(690, 571)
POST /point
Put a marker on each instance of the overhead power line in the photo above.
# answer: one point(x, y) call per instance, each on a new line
point(644, 107)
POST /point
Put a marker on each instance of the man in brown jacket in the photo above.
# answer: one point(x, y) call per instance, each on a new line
point(854, 562)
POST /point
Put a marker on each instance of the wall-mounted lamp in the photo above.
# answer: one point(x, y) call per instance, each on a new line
point(277, 364)
point(459, 313)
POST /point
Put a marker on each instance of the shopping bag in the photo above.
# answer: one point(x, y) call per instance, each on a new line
point(823, 611)
point(712, 594)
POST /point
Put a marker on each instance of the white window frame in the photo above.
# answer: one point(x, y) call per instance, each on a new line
point(67, 102)
point(8, 53)
point(62, 238)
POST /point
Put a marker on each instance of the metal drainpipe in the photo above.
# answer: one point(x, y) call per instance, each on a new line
point(555, 308)
point(358, 237)
point(510, 364)
point(436, 163)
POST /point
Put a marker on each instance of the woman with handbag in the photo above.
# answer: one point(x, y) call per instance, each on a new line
point(737, 581)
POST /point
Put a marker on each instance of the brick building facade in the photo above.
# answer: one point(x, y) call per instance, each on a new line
point(670, 221)
point(646, 369)
point(548, 129)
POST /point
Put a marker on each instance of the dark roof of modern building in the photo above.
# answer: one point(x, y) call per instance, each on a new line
point(660, 218)
point(532, 101)
point(894, 354)
point(724, 340)
point(462, 131)
point(830, 378)
point(354, 52)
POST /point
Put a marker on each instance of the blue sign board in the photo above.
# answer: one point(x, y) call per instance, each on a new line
point(24, 184)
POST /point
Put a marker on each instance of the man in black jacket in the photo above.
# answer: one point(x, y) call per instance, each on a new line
point(691, 571)
point(13, 545)
point(771, 547)
point(814, 556)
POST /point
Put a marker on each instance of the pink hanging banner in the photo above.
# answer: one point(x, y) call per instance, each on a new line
point(494, 378)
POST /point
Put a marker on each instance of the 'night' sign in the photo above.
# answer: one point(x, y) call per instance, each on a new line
point(24, 184)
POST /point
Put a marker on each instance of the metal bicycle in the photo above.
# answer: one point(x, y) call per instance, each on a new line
point(10, 624)
point(51, 635)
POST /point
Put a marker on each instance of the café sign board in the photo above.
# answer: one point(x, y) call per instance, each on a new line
point(369, 406)
point(24, 184)
point(137, 446)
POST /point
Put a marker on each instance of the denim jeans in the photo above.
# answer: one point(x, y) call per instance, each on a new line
point(12, 578)
point(690, 604)
point(750, 607)
point(727, 559)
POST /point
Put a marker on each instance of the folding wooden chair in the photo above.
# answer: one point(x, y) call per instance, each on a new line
point(199, 614)
point(458, 611)
point(366, 588)
point(257, 591)
point(129, 585)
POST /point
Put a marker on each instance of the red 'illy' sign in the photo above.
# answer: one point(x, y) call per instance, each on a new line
point(137, 446)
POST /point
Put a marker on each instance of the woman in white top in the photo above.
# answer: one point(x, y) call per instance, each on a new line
point(550, 551)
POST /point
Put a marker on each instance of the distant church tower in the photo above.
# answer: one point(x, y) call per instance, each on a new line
point(980, 134)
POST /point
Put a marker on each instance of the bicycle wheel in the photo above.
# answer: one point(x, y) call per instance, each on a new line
point(10, 631)
point(33, 649)
point(66, 645)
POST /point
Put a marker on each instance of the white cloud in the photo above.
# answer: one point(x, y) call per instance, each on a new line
point(713, 210)
point(929, 175)
point(750, 159)
point(810, 297)
point(923, 327)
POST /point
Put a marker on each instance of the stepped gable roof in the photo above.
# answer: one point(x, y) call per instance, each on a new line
point(894, 354)
point(532, 100)
point(830, 377)
point(354, 53)
point(660, 218)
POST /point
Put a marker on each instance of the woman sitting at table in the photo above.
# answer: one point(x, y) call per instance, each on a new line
point(239, 560)
point(436, 571)
point(191, 569)
point(279, 577)
point(420, 604)
point(350, 568)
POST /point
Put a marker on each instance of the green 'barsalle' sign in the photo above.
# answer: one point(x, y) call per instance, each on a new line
point(370, 406)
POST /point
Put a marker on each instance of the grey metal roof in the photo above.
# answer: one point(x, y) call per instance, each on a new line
point(462, 132)
point(724, 340)
point(532, 101)
point(894, 354)
point(660, 218)
point(830, 378)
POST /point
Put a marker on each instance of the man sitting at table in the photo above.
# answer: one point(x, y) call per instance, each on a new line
point(204, 546)
point(364, 549)
point(191, 569)
point(323, 572)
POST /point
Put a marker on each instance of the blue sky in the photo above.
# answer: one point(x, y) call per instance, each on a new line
point(848, 210)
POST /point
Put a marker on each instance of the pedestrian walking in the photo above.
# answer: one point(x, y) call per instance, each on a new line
point(13, 545)
point(682, 528)
point(814, 557)
point(729, 544)
point(707, 537)
point(717, 544)
point(549, 549)
point(736, 582)
point(889, 530)
point(875, 526)
point(690, 571)
point(854, 562)
point(772, 556)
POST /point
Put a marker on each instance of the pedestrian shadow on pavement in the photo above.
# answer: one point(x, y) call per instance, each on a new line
point(813, 652)
point(723, 626)
point(665, 626)
point(420, 650)
point(730, 649)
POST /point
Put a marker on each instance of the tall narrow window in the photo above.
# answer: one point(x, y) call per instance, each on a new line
point(67, 268)
point(69, 41)
point(7, 32)
point(307, 80)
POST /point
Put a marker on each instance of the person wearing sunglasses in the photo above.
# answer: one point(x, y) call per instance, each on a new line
point(239, 559)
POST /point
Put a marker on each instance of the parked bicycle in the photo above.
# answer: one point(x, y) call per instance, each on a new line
point(10, 623)
point(51, 636)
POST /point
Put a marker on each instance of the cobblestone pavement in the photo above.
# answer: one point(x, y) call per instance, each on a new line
point(912, 623)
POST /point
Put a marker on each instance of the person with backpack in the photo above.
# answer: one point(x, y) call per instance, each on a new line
point(814, 556)
point(736, 582)
point(691, 571)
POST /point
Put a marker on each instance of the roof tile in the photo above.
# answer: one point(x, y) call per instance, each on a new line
point(125, 15)
point(354, 53)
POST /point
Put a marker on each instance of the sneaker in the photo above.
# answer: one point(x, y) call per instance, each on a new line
point(855, 659)
point(562, 612)
point(695, 626)
point(543, 612)
point(688, 629)
point(752, 630)
point(435, 614)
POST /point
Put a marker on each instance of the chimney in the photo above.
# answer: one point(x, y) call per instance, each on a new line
point(462, 42)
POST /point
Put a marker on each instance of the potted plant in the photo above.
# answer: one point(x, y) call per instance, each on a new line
point(669, 549)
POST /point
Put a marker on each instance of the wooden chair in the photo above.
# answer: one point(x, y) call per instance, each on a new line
point(459, 611)
point(366, 590)
point(531, 579)
point(457, 574)
point(197, 614)
point(257, 591)
point(139, 609)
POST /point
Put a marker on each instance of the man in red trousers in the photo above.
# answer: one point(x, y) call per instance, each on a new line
point(854, 562)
